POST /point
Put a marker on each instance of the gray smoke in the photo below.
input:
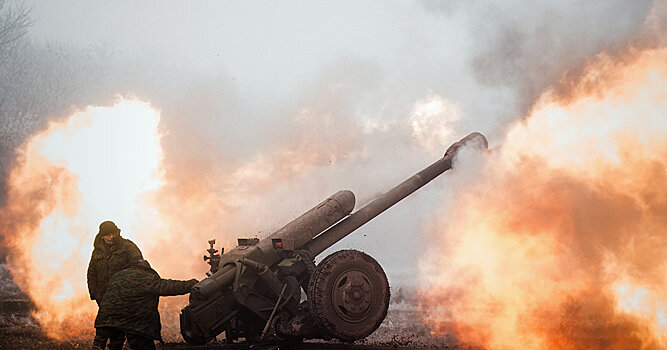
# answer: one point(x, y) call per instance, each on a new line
point(235, 81)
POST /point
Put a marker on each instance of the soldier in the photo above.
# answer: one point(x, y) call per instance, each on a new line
point(130, 304)
point(111, 254)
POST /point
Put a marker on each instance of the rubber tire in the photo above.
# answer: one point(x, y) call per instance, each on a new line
point(321, 287)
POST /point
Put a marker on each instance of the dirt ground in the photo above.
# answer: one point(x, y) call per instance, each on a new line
point(402, 329)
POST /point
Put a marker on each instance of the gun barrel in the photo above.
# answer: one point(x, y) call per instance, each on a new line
point(337, 232)
point(314, 221)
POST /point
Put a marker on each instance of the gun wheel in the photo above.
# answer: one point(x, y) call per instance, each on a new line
point(348, 295)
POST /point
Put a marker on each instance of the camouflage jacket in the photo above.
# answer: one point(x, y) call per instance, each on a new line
point(131, 301)
point(107, 260)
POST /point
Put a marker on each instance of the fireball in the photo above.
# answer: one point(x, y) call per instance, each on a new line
point(97, 164)
point(560, 242)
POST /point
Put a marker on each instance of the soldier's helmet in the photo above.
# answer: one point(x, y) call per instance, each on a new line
point(108, 227)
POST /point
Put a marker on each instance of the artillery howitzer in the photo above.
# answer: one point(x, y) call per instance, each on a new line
point(255, 290)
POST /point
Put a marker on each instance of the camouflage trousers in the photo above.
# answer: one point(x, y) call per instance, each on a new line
point(114, 336)
point(117, 337)
point(138, 342)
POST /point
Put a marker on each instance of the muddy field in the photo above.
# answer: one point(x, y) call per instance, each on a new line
point(402, 329)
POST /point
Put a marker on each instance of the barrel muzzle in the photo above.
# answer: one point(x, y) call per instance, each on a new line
point(475, 140)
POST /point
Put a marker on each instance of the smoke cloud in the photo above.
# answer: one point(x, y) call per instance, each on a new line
point(266, 111)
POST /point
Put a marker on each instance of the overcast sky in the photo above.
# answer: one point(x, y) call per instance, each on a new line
point(268, 48)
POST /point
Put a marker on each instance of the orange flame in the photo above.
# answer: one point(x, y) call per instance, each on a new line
point(560, 242)
point(107, 163)
point(93, 166)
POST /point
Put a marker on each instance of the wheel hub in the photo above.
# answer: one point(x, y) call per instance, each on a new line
point(352, 295)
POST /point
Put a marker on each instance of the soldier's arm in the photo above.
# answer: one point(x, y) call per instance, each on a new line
point(167, 287)
point(92, 280)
